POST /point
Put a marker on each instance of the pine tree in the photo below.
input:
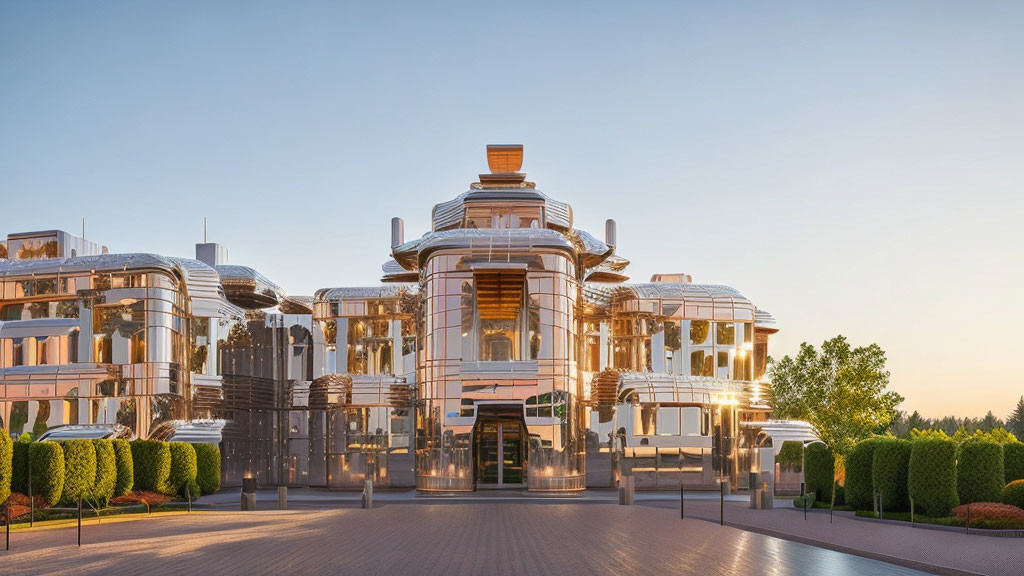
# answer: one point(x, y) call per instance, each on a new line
point(1015, 422)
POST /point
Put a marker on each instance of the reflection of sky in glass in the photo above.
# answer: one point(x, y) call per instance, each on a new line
point(852, 169)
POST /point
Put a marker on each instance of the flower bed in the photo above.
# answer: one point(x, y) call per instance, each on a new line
point(992, 515)
point(140, 497)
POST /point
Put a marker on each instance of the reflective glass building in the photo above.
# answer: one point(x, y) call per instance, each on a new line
point(503, 348)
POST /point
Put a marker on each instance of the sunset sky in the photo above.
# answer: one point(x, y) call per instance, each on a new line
point(854, 170)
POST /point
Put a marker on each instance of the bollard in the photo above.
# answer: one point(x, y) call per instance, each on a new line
point(7, 523)
point(282, 497)
point(721, 504)
point(968, 530)
point(31, 503)
point(248, 494)
point(79, 521)
point(368, 495)
point(911, 512)
point(630, 489)
point(682, 502)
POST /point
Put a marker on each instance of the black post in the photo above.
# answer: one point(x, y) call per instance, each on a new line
point(7, 522)
point(911, 512)
point(682, 502)
point(721, 507)
point(79, 521)
point(31, 499)
point(803, 497)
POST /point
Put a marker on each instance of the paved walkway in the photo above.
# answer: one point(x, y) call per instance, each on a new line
point(932, 550)
point(480, 538)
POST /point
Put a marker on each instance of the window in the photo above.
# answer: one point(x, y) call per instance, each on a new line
point(543, 406)
point(673, 347)
point(702, 363)
point(369, 346)
point(723, 365)
point(725, 333)
point(668, 421)
point(500, 299)
point(699, 332)
point(645, 420)
point(692, 421)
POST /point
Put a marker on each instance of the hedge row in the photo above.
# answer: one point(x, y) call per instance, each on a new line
point(890, 471)
point(980, 475)
point(819, 471)
point(6, 453)
point(1013, 461)
point(98, 470)
point(791, 455)
point(859, 487)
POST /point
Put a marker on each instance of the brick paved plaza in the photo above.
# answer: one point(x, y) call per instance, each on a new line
point(480, 538)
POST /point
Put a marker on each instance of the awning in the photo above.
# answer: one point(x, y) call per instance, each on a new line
point(38, 328)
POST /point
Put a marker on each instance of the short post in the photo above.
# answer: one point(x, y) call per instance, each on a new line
point(31, 500)
point(248, 494)
point(7, 522)
point(282, 497)
point(911, 512)
point(79, 521)
point(682, 502)
point(881, 499)
point(188, 496)
point(721, 504)
point(968, 530)
point(803, 497)
point(368, 494)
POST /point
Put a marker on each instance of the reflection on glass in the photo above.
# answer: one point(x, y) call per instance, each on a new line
point(699, 332)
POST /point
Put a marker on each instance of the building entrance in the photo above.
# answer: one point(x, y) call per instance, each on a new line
point(500, 451)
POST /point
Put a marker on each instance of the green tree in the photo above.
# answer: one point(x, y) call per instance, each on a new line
point(1015, 422)
point(989, 422)
point(841, 391)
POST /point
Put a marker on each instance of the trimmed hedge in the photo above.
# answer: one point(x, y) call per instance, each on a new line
point(207, 468)
point(889, 468)
point(183, 469)
point(151, 465)
point(791, 455)
point(123, 460)
point(1013, 462)
point(106, 471)
point(1013, 494)
point(980, 472)
point(931, 476)
point(79, 469)
point(859, 483)
point(19, 468)
point(47, 470)
point(819, 471)
point(6, 453)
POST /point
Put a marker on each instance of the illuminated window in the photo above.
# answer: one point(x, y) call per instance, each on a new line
point(500, 299)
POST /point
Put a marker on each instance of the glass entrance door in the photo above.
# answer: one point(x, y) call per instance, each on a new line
point(499, 450)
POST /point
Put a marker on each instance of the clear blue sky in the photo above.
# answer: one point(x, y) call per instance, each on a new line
point(854, 170)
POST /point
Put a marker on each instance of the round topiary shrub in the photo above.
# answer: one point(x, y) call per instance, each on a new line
point(79, 469)
point(207, 468)
point(183, 469)
point(979, 471)
point(151, 465)
point(791, 455)
point(6, 453)
point(889, 468)
point(859, 484)
point(1013, 462)
point(19, 467)
point(1013, 494)
point(46, 467)
point(123, 460)
point(931, 476)
point(106, 472)
point(819, 471)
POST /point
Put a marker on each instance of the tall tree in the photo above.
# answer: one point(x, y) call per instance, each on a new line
point(841, 391)
point(989, 422)
point(1015, 422)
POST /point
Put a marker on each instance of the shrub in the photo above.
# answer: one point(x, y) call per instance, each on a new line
point(799, 501)
point(819, 471)
point(151, 464)
point(859, 488)
point(46, 462)
point(6, 453)
point(183, 469)
point(106, 471)
point(991, 515)
point(1013, 494)
point(931, 476)
point(207, 468)
point(791, 455)
point(19, 468)
point(889, 473)
point(1013, 462)
point(79, 469)
point(123, 460)
point(980, 472)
